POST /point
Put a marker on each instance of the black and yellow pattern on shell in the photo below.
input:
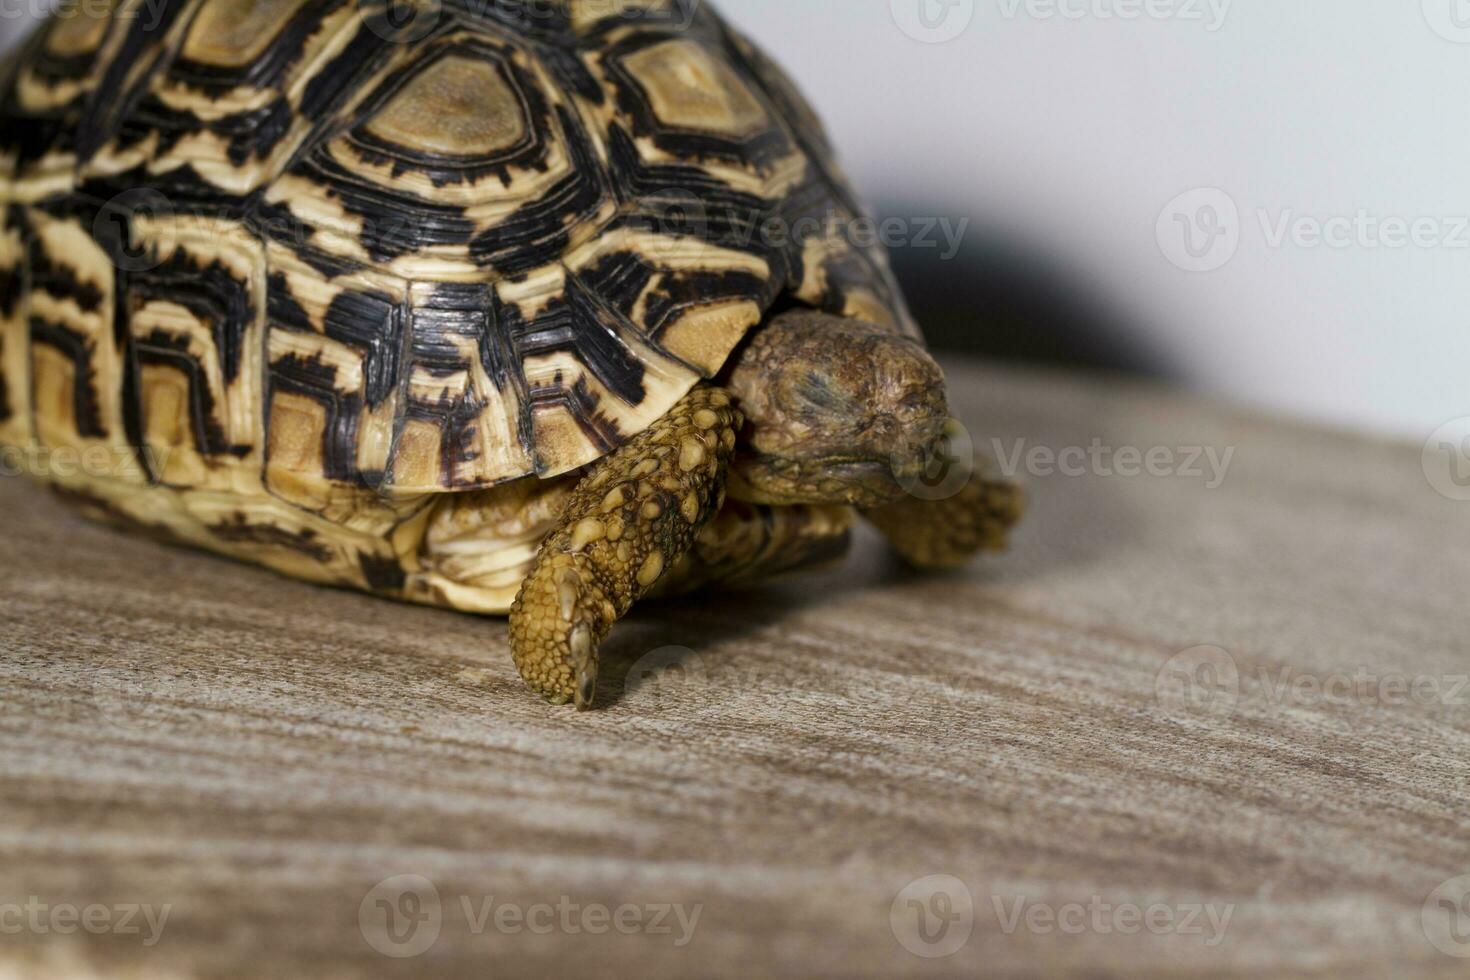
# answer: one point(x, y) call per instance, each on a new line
point(320, 258)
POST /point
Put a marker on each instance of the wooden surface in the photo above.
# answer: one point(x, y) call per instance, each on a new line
point(258, 755)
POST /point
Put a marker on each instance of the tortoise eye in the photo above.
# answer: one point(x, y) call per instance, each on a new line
point(813, 391)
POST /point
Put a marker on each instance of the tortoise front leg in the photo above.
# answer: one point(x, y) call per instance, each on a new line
point(633, 517)
point(944, 534)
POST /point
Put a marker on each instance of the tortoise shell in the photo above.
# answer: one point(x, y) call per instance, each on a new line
point(316, 248)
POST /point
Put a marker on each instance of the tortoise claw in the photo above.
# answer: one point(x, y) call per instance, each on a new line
point(586, 688)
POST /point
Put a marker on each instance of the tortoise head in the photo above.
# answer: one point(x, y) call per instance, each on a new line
point(838, 412)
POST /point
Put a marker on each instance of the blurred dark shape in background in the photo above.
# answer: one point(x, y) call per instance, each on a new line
point(1000, 299)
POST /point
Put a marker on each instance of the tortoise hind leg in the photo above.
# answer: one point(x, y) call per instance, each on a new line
point(749, 544)
point(634, 516)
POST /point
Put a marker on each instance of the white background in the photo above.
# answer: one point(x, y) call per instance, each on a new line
point(1077, 132)
point(1073, 128)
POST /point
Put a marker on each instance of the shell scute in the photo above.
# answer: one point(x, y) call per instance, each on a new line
point(397, 258)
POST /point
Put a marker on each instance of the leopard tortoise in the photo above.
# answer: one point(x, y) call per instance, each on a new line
point(477, 303)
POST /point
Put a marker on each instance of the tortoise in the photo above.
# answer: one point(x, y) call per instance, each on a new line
point(531, 308)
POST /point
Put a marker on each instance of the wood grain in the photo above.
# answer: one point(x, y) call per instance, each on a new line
point(258, 755)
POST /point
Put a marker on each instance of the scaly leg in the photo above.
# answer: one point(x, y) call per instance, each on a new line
point(633, 517)
point(945, 534)
point(748, 544)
